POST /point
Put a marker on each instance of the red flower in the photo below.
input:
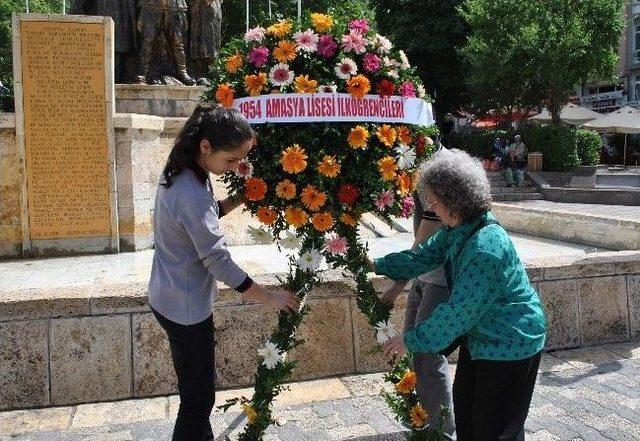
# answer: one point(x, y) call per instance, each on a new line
point(348, 194)
point(420, 145)
point(385, 88)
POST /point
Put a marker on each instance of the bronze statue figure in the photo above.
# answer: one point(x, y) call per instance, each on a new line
point(205, 36)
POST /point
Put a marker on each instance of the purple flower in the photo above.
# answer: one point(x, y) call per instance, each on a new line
point(407, 206)
point(407, 90)
point(327, 47)
point(361, 25)
point(259, 56)
point(371, 62)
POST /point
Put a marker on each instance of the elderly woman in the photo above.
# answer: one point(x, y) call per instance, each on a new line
point(493, 313)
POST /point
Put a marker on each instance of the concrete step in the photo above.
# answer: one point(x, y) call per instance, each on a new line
point(510, 197)
point(502, 190)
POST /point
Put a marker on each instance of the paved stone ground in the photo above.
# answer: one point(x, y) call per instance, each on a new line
point(620, 212)
point(582, 394)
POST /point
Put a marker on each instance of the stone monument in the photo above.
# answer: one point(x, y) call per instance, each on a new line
point(63, 70)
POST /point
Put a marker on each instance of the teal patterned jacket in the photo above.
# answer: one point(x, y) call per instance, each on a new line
point(492, 302)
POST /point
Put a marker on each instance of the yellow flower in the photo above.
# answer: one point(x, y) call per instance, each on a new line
point(286, 190)
point(252, 415)
point(418, 415)
point(224, 95)
point(321, 22)
point(322, 221)
point(304, 84)
point(358, 86)
point(312, 198)
point(296, 217)
point(387, 135)
point(285, 51)
point(280, 29)
point(407, 384)
point(358, 137)
point(403, 182)
point(294, 159)
point(349, 219)
point(329, 167)
point(404, 135)
point(267, 215)
point(255, 83)
point(234, 63)
point(388, 168)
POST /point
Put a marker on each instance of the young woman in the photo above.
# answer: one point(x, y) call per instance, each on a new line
point(191, 255)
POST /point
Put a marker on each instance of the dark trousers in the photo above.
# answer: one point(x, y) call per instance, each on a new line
point(192, 351)
point(491, 398)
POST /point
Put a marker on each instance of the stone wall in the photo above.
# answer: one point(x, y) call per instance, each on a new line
point(101, 342)
point(10, 189)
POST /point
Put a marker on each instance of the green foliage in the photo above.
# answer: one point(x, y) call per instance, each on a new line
point(431, 32)
point(589, 144)
point(525, 54)
point(478, 144)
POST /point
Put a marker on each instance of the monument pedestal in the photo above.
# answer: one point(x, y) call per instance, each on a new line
point(165, 100)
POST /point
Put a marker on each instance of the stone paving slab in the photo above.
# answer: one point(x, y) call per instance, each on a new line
point(582, 394)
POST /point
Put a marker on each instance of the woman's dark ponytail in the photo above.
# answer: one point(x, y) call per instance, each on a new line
point(226, 129)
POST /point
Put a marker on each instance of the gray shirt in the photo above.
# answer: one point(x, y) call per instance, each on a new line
point(435, 277)
point(190, 252)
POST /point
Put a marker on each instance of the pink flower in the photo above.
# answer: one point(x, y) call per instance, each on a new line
point(371, 62)
point(385, 199)
point(254, 34)
point(336, 245)
point(327, 47)
point(259, 56)
point(245, 169)
point(407, 206)
point(407, 90)
point(361, 25)
point(354, 41)
point(429, 140)
point(307, 40)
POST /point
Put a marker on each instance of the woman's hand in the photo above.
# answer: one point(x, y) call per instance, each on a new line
point(284, 301)
point(391, 293)
point(394, 347)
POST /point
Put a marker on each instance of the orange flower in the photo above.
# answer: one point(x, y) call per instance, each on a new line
point(252, 415)
point(322, 221)
point(286, 190)
point(254, 84)
point(255, 189)
point(321, 22)
point(404, 135)
point(403, 181)
point(294, 159)
point(296, 217)
point(358, 137)
point(329, 167)
point(234, 63)
point(224, 94)
point(386, 134)
point(304, 84)
point(280, 29)
point(418, 415)
point(407, 384)
point(267, 215)
point(349, 219)
point(313, 198)
point(388, 168)
point(285, 51)
point(358, 86)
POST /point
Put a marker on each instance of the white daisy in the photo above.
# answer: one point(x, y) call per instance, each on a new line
point(421, 92)
point(306, 41)
point(406, 156)
point(346, 68)
point(405, 61)
point(260, 235)
point(393, 73)
point(381, 44)
point(281, 75)
point(384, 331)
point(291, 241)
point(271, 355)
point(310, 260)
point(328, 88)
point(244, 169)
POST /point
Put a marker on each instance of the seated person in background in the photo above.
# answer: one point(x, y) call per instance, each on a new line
point(515, 162)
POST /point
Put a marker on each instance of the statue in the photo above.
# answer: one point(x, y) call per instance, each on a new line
point(167, 18)
point(123, 13)
point(205, 36)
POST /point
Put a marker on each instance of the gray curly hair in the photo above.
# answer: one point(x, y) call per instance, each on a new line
point(458, 181)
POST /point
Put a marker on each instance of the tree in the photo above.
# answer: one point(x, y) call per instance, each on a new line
point(431, 32)
point(526, 54)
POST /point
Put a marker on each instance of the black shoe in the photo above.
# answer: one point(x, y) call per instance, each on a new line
point(185, 79)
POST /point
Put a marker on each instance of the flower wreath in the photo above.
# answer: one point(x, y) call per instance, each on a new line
point(310, 183)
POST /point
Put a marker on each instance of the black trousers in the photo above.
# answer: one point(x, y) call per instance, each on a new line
point(192, 351)
point(491, 398)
